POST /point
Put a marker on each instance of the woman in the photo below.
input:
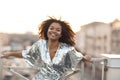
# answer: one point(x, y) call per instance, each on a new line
point(54, 53)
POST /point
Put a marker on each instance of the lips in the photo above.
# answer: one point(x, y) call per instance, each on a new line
point(52, 34)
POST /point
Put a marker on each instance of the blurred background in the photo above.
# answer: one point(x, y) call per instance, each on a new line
point(95, 22)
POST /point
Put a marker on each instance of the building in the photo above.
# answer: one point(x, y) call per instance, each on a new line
point(115, 39)
point(94, 38)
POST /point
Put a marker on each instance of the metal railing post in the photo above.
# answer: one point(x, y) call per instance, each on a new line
point(82, 71)
point(1, 68)
point(105, 69)
point(93, 71)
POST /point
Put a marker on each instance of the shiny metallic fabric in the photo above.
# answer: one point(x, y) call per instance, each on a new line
point(65, 59)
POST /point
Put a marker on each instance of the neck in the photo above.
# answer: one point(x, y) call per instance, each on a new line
point(53, 44)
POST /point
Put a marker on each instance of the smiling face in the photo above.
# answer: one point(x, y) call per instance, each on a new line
point(54, 31)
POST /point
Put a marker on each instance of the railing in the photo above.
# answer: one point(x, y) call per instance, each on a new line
point(12, 69)
point(98, 65)
point(85, 75)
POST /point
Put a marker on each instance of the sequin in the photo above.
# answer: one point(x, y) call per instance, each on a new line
point(65, 59)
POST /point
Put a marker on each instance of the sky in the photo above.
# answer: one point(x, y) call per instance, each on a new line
point(20, 16)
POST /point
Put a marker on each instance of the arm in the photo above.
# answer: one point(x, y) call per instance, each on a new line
point(8, 54)
point(85, 56)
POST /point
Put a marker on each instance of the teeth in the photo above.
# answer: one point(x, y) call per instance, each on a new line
point(53, 34)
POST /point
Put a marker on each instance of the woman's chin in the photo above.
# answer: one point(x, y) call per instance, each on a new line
point(53, 39)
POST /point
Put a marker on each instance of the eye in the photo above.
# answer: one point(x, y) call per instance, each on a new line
point(51, 28)
point(58, 30)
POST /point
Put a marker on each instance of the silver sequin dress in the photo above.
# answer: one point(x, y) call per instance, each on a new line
point(65, 59)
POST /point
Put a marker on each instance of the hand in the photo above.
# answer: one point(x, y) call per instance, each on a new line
point(5, 55)
point(87, 58)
